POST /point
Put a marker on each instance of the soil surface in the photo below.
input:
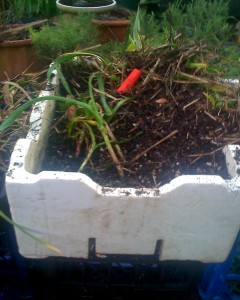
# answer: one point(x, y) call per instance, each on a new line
point(10, 28)
point(118, 13)
point(20, 30)
point(168, 128)
point(86, 3)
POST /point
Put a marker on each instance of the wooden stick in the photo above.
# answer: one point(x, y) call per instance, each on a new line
point(184, 107)
point(106, 94)
point(212, 152)
point(210, 116)
point(151, 72)
point(112, 137)
point(205, 81)
point(154, 145)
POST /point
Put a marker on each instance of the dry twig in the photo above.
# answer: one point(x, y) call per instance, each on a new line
point(154, 145)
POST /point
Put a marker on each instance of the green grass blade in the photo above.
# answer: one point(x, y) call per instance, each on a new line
point(92, 148)
point(136, 32)
point(14, 115)
point(106, 108)
point(63, 81)
point(93, 104)
point(118, 105)
point(68, 56)
point(26, 231)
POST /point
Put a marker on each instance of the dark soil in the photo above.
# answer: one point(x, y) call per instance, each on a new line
point(168, 129)
point(119, 13)
point(86, 3)
point(19, 36)
point(20, 30)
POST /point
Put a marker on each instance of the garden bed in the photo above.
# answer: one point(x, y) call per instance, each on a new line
point(166, 130)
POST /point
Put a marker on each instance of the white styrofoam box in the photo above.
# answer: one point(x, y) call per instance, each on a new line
point(197, 217)
point(232, 154)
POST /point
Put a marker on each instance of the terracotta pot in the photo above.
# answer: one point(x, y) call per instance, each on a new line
point(17, 57)
point(112, 29)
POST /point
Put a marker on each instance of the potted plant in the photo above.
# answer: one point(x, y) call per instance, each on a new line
point(112, 20)
point(68, 34)
point(113, 25)
point(177, 220)
point(18, 54)
point(16, 49)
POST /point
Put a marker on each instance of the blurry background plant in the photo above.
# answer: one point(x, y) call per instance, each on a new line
point(200, 21)
point(145, 32)
point(66, 35)
point(15, 11)
point(159, 6)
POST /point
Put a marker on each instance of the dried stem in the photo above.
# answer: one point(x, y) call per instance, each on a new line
point(151, 72)
point(112, 137)
point(154, 145)
point(112, 152)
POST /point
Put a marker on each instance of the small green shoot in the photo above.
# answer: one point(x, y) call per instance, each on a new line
point(27, 232)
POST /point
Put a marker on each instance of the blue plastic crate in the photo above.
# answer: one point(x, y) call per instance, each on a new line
point(222, 281)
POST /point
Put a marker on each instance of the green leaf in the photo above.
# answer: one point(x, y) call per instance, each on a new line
point(68, 56)
point(63, 81)
point(106, 108)
point(27, 232)
point(14, 115)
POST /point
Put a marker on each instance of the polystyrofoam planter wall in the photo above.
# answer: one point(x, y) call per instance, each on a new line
point(194, 217)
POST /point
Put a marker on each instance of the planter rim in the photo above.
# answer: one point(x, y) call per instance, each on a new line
point(120, 22)
point(16, 43)
point(75, 9)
